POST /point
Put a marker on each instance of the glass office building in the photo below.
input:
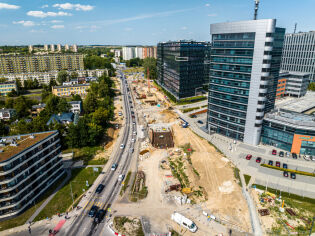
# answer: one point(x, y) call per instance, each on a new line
point(182, 67)
point(244, 69)
point(290, 131)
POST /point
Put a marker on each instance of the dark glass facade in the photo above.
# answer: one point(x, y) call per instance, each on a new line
point(183, 67)
point(230, 74)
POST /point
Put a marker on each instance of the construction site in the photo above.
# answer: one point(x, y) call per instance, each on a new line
point(183, 172)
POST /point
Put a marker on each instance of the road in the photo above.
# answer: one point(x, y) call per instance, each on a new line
point(84, 225)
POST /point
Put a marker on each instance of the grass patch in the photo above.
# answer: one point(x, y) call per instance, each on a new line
point(21, 219)
point(101, 161)
point(190, 109)
point(247, 179)
point(191, 100)
point(85, 154)
point(196, 172)
point(125, 185)
point(174, 233)
point(237, 175)
point(63, 200)
point(289, 170)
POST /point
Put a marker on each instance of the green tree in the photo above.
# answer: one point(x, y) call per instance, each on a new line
point(63, 105)
point(90, 103)
point(12, 93)
point(100, 116)
point(149, 65)
point(76, 97)
point(62, 76)
point(74, 75)
point(2, 80)
point(3, 129)
point(9, 103)
point(311, 86)
point(36, 84)
point(22, 107)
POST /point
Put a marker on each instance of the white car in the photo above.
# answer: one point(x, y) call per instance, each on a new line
point(133, 140)
point(121, 177)
point(122, 146)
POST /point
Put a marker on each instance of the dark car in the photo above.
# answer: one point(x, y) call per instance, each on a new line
point(193, 116)
point(99, 216)
point(270, 162)
point(93, 211)
point(285, 166)
point(293, 175)
point(277, 163)
point(99, 188)
point(248, 157)
point(200, 122)
point(281, 154)
point(258, 159)
point(274, 152)
point(294, 155)
point(285, 174)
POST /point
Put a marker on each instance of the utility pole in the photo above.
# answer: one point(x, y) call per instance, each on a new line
point(256, 9)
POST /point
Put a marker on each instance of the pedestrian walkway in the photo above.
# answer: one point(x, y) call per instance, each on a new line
point(38, 210)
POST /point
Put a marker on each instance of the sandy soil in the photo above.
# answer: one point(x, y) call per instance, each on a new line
point(217, 178)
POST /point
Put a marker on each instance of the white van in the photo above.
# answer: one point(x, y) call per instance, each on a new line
point(185, 222)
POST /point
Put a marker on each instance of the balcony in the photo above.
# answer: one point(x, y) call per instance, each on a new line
point(268, 48)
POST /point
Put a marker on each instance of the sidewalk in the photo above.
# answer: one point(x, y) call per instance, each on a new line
point(50, 197)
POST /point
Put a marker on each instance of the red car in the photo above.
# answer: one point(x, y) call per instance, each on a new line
point(258, 159)
point(274, 152)
point(277, 164)
point(248, 157)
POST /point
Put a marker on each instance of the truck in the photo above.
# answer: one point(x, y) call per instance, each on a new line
point(185, 222)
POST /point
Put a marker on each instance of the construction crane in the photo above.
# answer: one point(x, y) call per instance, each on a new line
point(256, 9)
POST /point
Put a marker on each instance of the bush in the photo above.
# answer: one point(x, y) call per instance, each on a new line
point(289, 170)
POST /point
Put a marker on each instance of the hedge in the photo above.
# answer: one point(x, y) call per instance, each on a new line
point(289, 170)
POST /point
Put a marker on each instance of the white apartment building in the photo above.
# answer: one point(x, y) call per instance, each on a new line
point(52, 47)
point(67, 47)
point(59, 47)
point(74, 48)
point(128, 53)
point(139, 52)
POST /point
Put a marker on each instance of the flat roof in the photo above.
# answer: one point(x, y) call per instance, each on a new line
point(23, 141)
point(295, 119)
point(72, 85)
point(299, 105)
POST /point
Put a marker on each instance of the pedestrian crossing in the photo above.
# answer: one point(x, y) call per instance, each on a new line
point(97, 202)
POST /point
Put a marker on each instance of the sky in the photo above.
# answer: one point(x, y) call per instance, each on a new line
point(137, 22)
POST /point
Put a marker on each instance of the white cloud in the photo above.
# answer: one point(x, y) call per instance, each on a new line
point(213, 14)
point(207, 5)
point(57, 26)
point(128, 29)
point(27, 23)
point(77, 7)
point(183, 28)
point(8, 6)
point(42, 14)
point(44, 6)
point(56, 21)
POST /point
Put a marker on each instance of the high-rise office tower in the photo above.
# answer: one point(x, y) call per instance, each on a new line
point(181, 67)
point(52, 47)
point(59, 47)
point(299, 53)
point(67, 47)
point(74, 48)
point(244, 69)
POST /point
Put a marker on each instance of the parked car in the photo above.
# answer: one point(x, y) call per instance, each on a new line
point(131, 150)
point(281, 154)
point(285, 174)
point(287, 154)
point(99, 216)
point(249, 156)
point(99, 188)
point(132, 140)
point(274, 152)
point(277, 163)
point(200, 121)
point(114, 167)
point(258, 159)
point(294, 155)
point(285, 166)
point(293, 175)
point(93, 211)
point(270, 162)
point(122, 146)
point(193, 116)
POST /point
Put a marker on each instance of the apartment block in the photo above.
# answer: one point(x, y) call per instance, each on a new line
point(40, 63)
point(299, 53)
point(182, 67)
point(7, 87)
point(293, 84)
point(128, 53)
point(244, 70)
point(29, 165)
point(68, 90)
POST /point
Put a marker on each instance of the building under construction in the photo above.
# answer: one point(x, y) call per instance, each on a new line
point(161, 137)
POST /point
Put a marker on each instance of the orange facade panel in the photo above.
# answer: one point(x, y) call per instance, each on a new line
point(297, 142)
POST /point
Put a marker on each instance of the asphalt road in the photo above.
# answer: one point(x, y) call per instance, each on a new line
point(84, 225)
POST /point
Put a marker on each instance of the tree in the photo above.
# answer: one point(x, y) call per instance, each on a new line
point(100, 116)
point(76, 97)
point(311, 86)
point(22, 106)
point(63, 105)
point(12, 93)
point(149, 64)
point(62, 76)
point(3, 129)
point(74, 75)
point(90, 103)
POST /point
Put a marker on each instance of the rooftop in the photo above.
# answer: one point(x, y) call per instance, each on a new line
point(22, 142)
point(72, 85)
point(299, 105)
point(292, 73)
point(292, 118)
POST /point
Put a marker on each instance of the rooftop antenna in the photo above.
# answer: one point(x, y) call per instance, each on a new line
point(295, 27)
point(256, 9)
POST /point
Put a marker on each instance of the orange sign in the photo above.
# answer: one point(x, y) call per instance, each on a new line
point(297, 142)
